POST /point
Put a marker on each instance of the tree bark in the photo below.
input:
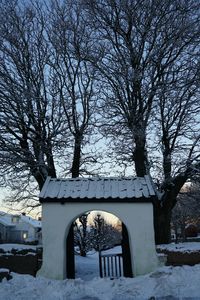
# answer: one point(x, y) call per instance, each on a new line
point(162, 224)
point(140, 153)
point(140, 157)
point(163, 209)
point(76, 157)
point(50, 160)
point(38, 177)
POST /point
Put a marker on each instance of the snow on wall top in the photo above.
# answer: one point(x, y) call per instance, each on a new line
point(97, 188)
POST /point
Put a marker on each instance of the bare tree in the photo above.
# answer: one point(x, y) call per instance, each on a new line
point(186, 210)
point(47, 98)
point(31, 119)
point(146, 48)
point(140, 57)
point(74, 75)
point(104, 235)
point(82, 234)
point(178, 132)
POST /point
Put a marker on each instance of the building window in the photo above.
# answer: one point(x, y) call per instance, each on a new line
point(25, 235)
point(15, 219)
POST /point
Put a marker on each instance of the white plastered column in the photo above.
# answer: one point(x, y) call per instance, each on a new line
point(57, 219)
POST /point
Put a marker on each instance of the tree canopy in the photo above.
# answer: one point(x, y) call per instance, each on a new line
point(120, 71)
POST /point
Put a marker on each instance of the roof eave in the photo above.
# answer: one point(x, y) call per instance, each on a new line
point(98, 200)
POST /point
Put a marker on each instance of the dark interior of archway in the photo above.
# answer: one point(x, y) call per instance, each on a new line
point(126, 254)
point(70, 259)
point(70, 268)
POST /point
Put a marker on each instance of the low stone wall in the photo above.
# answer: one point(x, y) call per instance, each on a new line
point(27, 264)
point(177, 258)
point(23, 262)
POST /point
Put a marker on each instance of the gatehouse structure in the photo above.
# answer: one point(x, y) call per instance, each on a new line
point(130, 199)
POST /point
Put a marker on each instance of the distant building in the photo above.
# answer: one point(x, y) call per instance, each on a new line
point(16, 228)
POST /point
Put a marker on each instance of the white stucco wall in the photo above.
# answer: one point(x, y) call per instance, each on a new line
point(57, 219)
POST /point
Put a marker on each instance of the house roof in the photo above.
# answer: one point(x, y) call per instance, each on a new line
point(6, 219)
point(31, 221)
point(137, 189)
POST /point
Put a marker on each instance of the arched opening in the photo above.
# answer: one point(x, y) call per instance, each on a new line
point(102, 235)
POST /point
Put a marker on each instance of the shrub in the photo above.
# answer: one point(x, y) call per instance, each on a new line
point(191, 231)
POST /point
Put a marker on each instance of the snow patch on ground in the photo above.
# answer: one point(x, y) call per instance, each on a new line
point(171, 282)
point(165, 283)
point(3, 270)
point(87, 267)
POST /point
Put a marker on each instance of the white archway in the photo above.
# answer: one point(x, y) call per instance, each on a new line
point(64, 200)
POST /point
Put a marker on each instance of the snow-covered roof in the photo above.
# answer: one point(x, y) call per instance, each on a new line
point(6, 219)
point(137, 189)
point(31, 221)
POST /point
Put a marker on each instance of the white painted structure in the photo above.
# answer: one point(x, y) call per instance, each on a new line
point(64, 200)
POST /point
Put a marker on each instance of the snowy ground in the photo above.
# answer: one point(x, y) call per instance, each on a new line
point(88, 267)
point(165, 283)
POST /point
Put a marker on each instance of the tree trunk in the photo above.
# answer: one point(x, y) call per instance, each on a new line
point(163, 209)
point(82, 252)
point(162, 224)
point(140, 155)
point(39, 178)
point(50, 161)
point(76, 158)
